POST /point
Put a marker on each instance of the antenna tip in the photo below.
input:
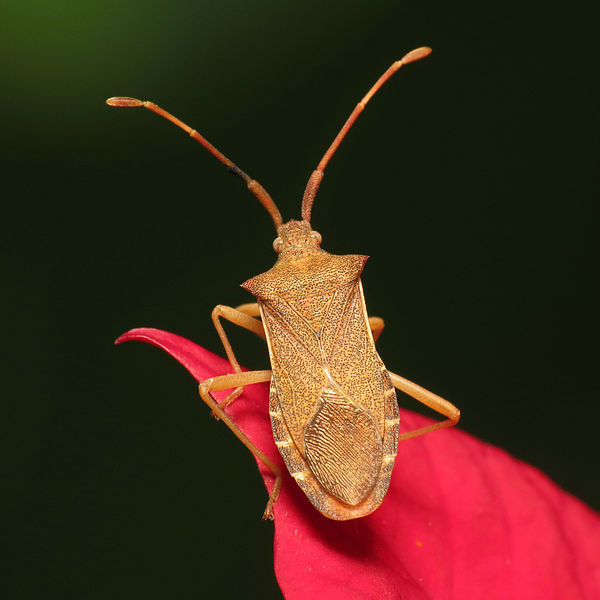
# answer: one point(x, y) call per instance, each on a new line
point(124, 101)
point(416, 54)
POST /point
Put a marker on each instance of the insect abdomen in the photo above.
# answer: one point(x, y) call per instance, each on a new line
point(343, 448)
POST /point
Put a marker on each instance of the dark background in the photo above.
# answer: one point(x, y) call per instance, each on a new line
point(468, 181)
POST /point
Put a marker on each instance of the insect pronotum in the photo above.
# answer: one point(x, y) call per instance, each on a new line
point(332, 403)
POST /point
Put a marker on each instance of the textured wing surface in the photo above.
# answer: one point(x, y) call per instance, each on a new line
point(297, 365)
point(330, 385)
point(350, 353)
point(343, 448)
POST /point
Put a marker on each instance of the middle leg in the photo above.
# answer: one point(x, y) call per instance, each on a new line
point(376, 324)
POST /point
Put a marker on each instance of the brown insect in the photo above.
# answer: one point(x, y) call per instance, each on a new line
point(332, 404)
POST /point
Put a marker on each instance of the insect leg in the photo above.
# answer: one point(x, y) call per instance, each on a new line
point(376, 324)
point(238, 380)
point(244, 317)
point(429, 399)
point(251, 309)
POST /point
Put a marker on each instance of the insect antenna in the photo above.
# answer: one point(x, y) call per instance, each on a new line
point(263, 196)
point(317, 175)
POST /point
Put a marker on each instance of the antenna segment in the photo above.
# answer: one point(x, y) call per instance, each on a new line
point(263, 196)
point(317, 175)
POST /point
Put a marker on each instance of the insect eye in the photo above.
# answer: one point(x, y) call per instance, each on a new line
point(277, 245)
point(316, 236)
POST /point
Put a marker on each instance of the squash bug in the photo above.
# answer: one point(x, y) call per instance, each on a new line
point(332, 402)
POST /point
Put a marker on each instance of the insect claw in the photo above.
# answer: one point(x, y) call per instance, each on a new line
point(268, 514)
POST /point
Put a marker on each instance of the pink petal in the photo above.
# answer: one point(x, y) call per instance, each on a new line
point(462, 519)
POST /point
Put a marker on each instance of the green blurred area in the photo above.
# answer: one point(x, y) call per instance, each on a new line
point(468, 180)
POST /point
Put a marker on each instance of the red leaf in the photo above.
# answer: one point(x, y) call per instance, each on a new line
point(462, 519)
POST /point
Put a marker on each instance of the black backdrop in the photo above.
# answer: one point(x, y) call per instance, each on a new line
point(468, 181)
